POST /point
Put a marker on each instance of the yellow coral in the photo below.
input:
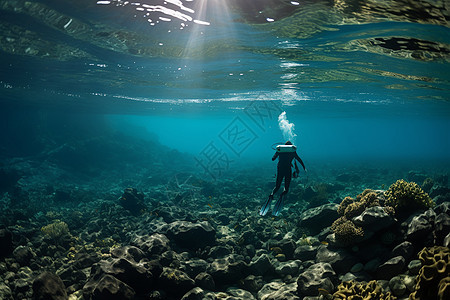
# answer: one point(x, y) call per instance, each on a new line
point(346, 232)
point(433, 281)
point(56, 229)
point(343, 206)
point(404, 195)
point(361, 290)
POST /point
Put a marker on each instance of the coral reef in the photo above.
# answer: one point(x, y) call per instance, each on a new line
point(347, 232)
point(434, 276)
point(407, 196)
point(357, 290)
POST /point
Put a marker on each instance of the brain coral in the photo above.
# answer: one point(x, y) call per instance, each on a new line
point(357, 290)
point(404, 195)
point(346, 232)
point(433, 281)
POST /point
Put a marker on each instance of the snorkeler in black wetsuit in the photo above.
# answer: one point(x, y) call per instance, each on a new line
point(283, 171)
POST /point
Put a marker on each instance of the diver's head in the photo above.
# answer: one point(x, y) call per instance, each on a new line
point(288, 143)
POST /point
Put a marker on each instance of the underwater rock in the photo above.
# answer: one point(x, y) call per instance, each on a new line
point(288, 268)
point(135, 275)
point(277, 290)
point(306, 252)
point(220, 251)
point(48, 286)
point(175, 282)
point(391, 268)
point(154, 244)
point(128, 252)
point(252, 283)
point(374, 219)
point(317, 218)
point(261, 265)
point(340, 260)
point(107, 287)
point(194, 266)
point(401, 284)
point(320, 275)
point(194, 294)
point(205, 281)
point(5, 292)
point(287, 247)
point(420, 228)
point(414, 267)
point(404, 249)
point(132, 200)
point(442, 222)
point(228, 269)
point(6, 242)
point(23, 255)
point(240, 294)
point(191, 235)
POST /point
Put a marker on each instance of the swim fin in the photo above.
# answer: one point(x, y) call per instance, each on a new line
point(266, 206)
point(278, 206)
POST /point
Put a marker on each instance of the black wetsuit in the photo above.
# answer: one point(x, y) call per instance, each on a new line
point(284, 169)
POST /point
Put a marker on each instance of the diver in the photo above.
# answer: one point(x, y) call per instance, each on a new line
point(285, 154)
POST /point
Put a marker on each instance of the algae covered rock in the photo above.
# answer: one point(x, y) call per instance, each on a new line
point(318, 276)
point(191, 235)
point(107, 287)
point(49, 286)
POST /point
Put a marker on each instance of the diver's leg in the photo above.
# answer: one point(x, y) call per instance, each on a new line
point(277, 183)
point(266, 205)
point(287, 183)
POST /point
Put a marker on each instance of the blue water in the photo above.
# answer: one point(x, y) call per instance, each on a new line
point(349, 102)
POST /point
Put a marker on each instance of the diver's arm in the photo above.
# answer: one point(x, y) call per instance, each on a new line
point(275, 156)
point(300, 161)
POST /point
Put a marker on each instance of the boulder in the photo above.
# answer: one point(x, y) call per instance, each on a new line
point(405, 249)
point(291, 267)
point(228, 269)
point(194, 294)
point(48, 286)
point(261, 265)
point(5, 292)
point(391, 268)
point(128, 252)
point(175, 282)
point(252, 283)
point(135, 275)
point(205, 281)
point(107, 287)
point(23, 255)
point(305, 252)
point(152, 245)
point(374, 218)
point(320, 275)
point(240, 294)
point(317, 218)
point(278, 290)
point(340, 260)
point(191, 235)
point(420, 227)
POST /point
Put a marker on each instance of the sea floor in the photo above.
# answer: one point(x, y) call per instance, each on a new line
point(151, 232)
